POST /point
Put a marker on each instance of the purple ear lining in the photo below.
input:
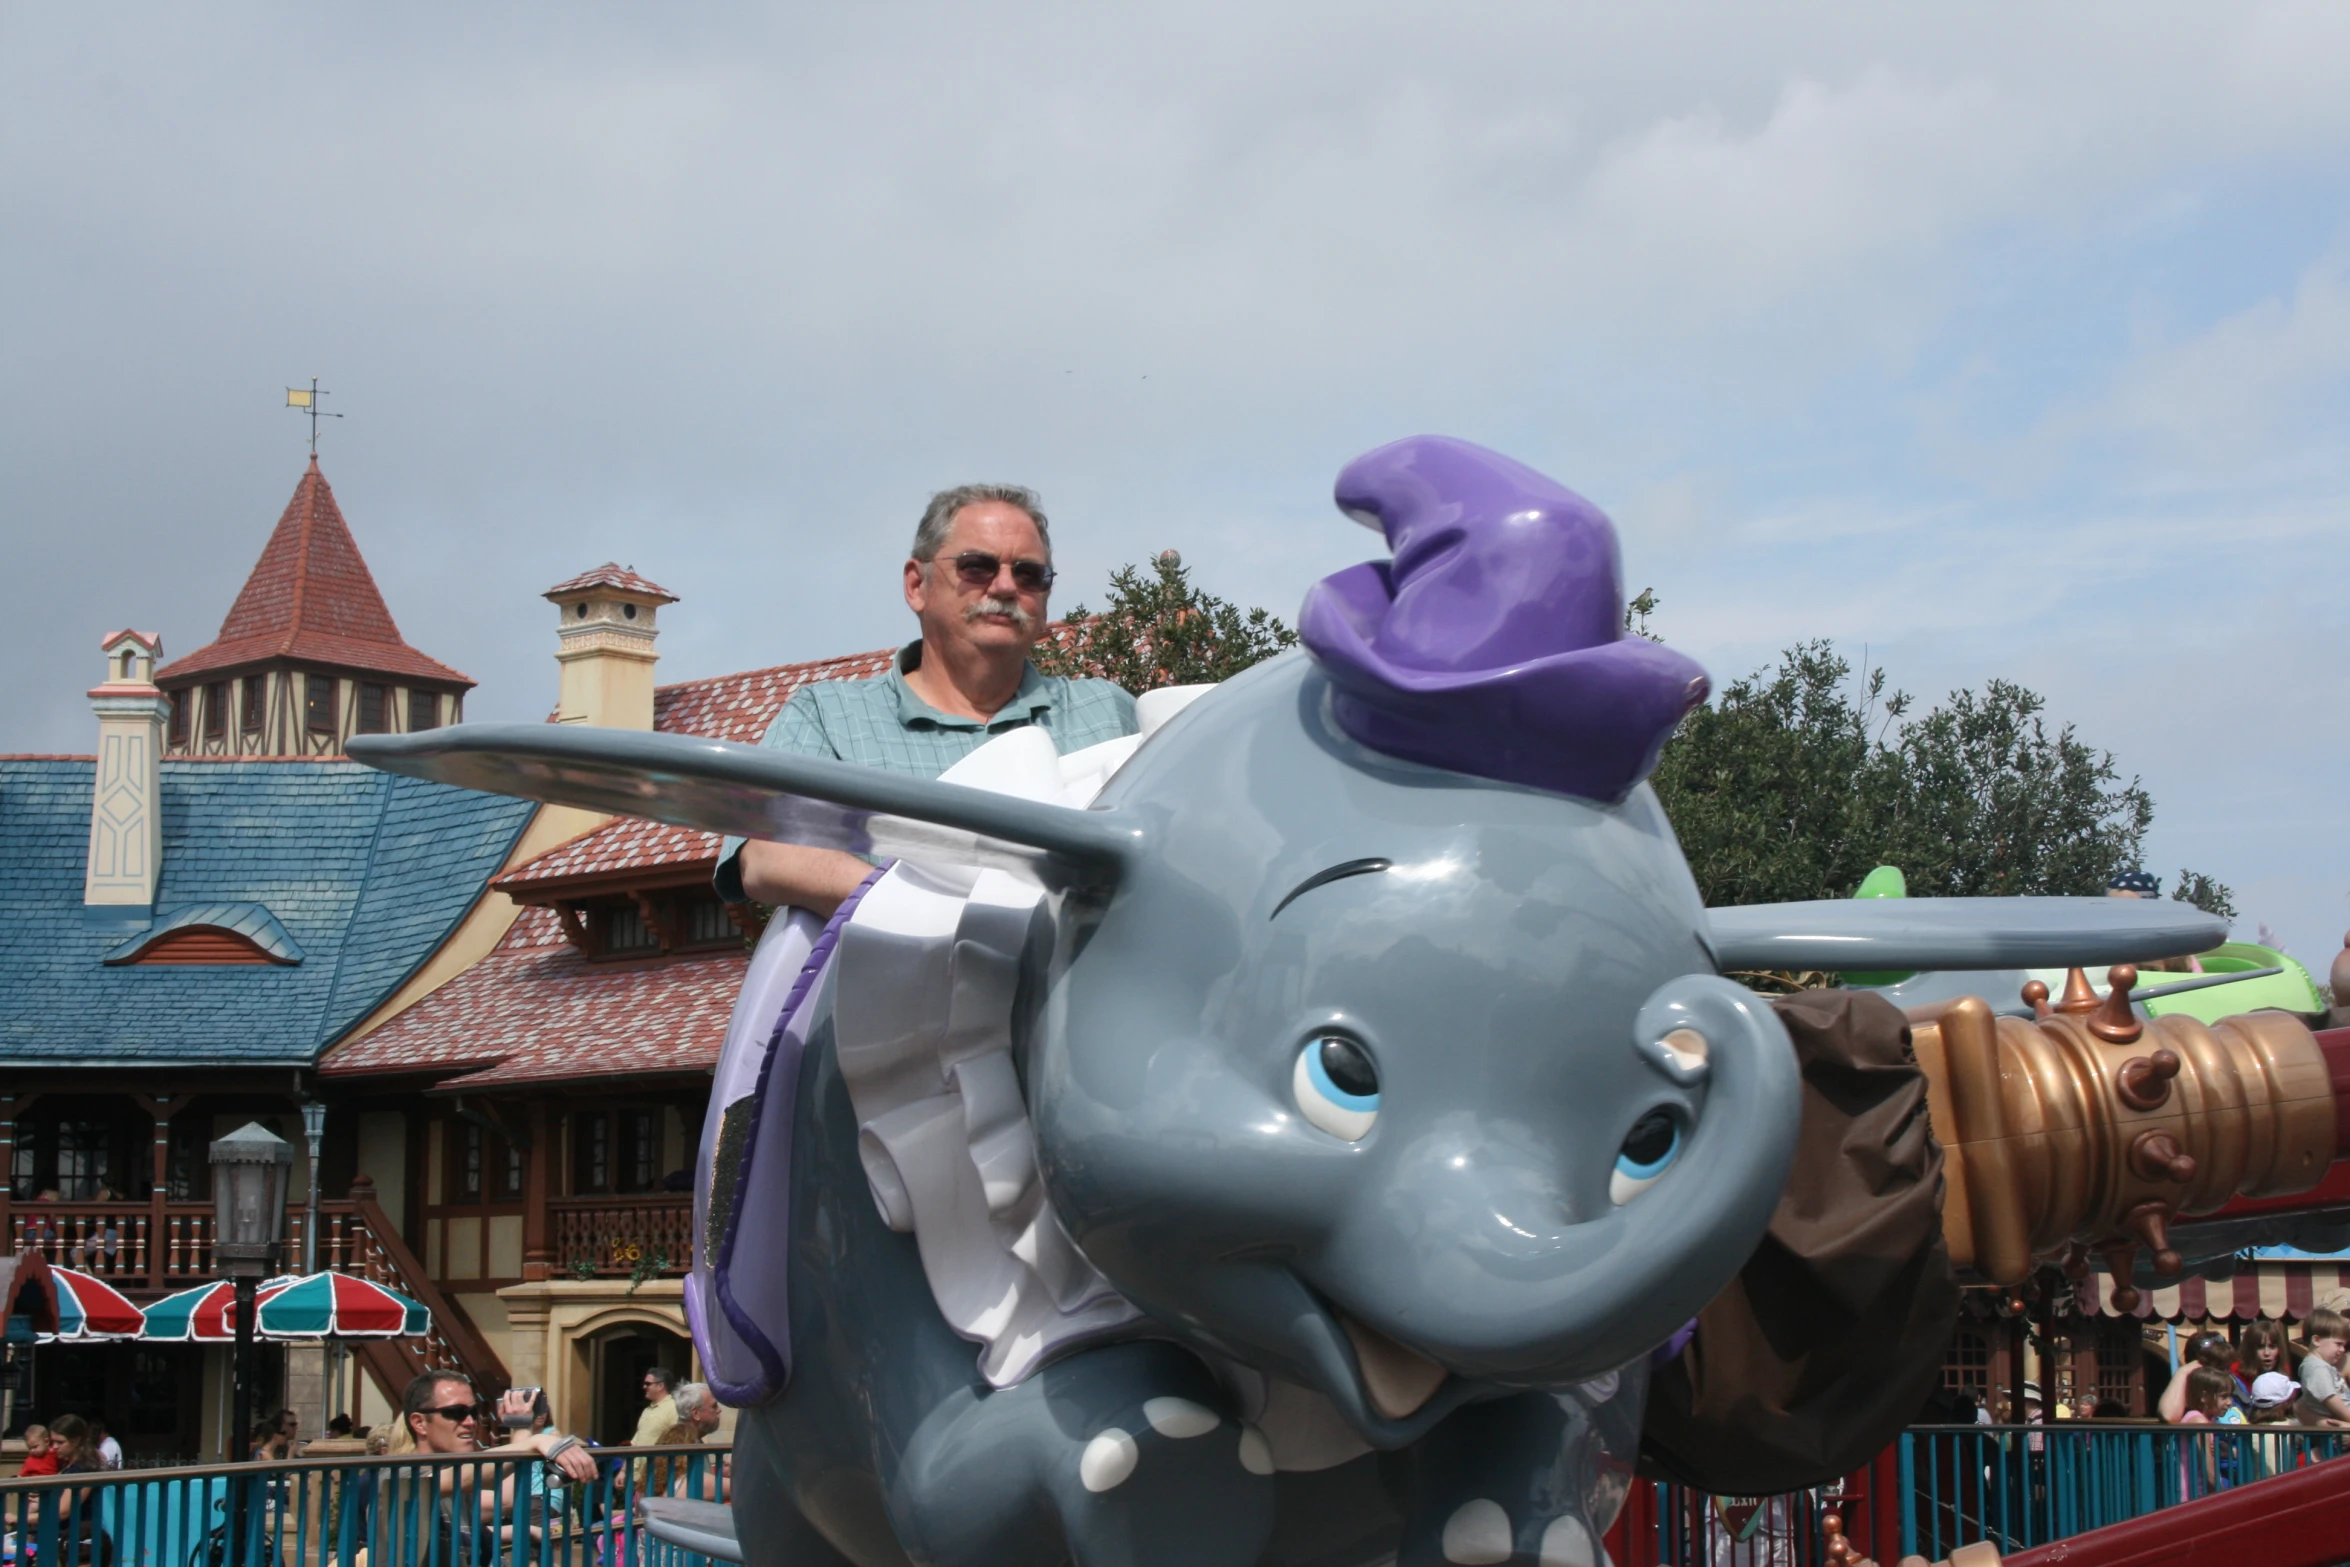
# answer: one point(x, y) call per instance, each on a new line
point(775, 1098)
point(1492, 644)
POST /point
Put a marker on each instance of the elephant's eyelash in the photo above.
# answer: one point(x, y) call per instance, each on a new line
point(1323, 878)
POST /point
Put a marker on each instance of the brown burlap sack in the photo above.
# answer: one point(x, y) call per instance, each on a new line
point(1832, 1336)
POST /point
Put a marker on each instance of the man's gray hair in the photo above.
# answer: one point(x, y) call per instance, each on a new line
point(690, 1399)
point(938, 518)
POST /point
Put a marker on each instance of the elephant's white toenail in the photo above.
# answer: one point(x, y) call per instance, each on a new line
point(1107, 1460)
point(1477, 1532)
point(1179, 1417)
point(1566, 1543)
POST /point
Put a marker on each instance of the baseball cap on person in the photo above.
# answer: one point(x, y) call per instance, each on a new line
point(2136, 881)
point(2272, 1388)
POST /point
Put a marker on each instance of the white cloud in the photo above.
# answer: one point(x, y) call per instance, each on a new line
point(1929, 329)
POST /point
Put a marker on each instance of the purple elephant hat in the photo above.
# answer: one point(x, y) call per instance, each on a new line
point(1493, 643)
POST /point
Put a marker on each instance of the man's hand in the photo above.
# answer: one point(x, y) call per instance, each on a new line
point(575, 1461)
point(792, 875)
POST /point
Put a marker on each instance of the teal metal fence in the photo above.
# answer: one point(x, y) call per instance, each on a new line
point(416, 1510)
point(2020, 1486)
point(1941, 1487)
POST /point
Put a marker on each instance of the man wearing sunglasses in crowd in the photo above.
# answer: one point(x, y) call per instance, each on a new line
point(475, 1518)
point(978, 580)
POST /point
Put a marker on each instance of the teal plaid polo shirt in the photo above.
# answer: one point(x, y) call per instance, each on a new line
point(882, 723)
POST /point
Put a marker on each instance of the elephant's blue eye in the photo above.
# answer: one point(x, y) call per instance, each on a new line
point(1649, 1150)
point(1336, 1086)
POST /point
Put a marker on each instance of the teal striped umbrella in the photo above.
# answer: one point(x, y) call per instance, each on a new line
point(339, 1305)
point(318, 1305)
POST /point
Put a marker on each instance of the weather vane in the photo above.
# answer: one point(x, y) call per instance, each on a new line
point(307, 400)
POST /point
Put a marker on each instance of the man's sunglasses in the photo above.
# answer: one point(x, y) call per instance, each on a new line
point(455, 1414)
point(977, 569)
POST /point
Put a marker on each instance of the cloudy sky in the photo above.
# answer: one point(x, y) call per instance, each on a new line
point(1996, 340)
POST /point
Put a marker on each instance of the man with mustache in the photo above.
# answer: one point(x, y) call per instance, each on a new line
point(977, 580)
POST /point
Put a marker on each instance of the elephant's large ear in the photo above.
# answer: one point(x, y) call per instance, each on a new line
point(1958, 933)
point(720, 786)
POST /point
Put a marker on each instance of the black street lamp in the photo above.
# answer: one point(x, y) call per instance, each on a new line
point(249, 1170)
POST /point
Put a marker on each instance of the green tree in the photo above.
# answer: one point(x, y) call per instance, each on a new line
point(2212, 897)
point(1984, 801)
point(1768, 785)
point(1796, 781)
point(1159, 629)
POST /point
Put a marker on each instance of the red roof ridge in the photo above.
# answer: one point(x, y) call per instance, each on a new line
point(46, 756)
point(311, 597)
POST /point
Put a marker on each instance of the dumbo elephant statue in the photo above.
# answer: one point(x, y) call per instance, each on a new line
point(1284, 1138)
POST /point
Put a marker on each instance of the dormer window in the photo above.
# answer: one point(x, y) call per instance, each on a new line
point(625, 932)
point(707, 924)
point(216, 710)
point(210, 934)
point(649, 924)
point(178, 732)
point(256, 701)
point(424, 711)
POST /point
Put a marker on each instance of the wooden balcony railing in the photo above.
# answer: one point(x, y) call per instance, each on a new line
point(629, 1237)
point(167, 1246)
point(132, 1245)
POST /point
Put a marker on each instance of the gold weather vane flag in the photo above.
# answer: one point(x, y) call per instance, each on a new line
point(306, 398)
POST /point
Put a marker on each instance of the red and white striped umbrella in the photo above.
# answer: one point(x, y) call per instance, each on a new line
point(89, 1308)
point(319, 1305)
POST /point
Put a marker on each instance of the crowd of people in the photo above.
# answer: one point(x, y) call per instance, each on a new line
point(2265, 1379)
point(532, 1476)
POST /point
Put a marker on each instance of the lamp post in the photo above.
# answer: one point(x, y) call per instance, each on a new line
point(249, 1169)
point(314, 1133)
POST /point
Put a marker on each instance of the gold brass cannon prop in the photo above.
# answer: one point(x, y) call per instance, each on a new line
point(2087, 1129)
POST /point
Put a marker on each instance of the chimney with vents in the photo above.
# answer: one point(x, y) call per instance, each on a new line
point(606, 647)
point(126, 796)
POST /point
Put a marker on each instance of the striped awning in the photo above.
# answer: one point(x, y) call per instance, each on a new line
point(2262, 1289)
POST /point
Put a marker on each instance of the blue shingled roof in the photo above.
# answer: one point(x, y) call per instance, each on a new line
point(363, 872)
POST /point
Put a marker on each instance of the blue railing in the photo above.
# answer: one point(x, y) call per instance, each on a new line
point(2019, 1486)
point(1941, 1487)
point(417, 1510)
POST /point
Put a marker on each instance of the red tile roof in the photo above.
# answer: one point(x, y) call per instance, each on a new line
point(311, 598)
point(740, 707)
point(612, 574)
point(534, 1011)
point(622, 846)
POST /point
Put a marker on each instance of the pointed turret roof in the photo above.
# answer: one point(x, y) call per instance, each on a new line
point(311, 600)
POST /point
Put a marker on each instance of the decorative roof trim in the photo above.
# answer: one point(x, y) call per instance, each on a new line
point(250, 921)
point(668, 876)
point(613, 577)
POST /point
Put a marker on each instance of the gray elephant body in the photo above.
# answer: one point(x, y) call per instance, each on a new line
point(1508, 967)
point(1351, 1128)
